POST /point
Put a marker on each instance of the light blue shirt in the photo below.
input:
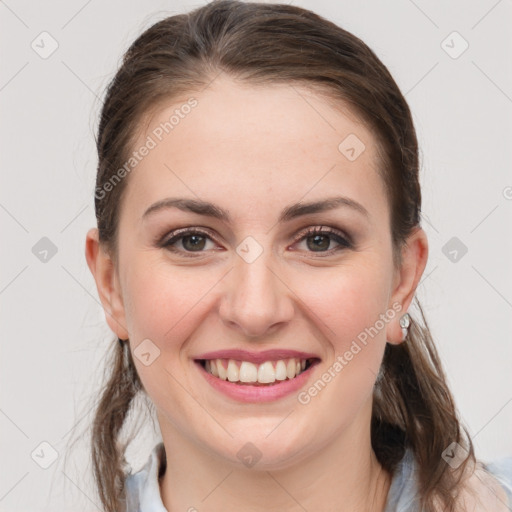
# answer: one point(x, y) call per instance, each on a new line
point(143, 490)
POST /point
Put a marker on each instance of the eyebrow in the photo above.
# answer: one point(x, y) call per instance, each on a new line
point(289, 213)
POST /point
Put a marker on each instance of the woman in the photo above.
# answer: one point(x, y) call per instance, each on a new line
point(257, 252)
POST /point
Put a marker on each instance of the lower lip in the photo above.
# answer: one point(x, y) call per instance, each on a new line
point(265, 393)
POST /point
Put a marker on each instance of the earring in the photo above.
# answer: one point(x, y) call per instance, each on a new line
point(405, 322)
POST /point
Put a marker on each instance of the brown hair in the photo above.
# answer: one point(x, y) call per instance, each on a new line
point(260, 43)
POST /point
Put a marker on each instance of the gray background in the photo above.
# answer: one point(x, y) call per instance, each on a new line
point(53, 332)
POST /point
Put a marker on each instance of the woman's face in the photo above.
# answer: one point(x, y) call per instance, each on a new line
point(257, 279)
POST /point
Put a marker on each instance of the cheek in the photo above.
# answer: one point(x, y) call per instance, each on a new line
point(347, 304)
point(167, 305)
point(164, 302)
point(346, 300)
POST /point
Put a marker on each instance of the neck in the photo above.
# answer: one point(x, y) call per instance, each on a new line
point(343, 476)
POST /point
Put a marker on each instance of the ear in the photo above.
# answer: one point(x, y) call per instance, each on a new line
point(406, 279)
point(107, 283)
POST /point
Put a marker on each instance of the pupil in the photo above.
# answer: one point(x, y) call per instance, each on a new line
point(197, 243)
point(321, 246)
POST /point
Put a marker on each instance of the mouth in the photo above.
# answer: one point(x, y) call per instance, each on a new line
point(267, 373)
point(256, 377)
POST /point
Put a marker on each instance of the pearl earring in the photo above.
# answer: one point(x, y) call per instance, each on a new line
point(405, 322)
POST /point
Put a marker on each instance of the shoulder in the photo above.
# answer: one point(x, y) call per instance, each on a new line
point(142, 491)
point(487, 488)
point(484, 488)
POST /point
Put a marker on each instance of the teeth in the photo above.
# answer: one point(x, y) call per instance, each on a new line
point(281, 370)
point(266, 373)
point(290, 369)
point(223, 374)
point(233, 372)
point(247, 372)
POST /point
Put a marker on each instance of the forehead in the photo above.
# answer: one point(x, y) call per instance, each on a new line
point(237, 142)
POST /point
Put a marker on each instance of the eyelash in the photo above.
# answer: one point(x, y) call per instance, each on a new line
point(343, 240)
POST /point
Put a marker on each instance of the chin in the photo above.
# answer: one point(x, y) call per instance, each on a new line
point(258, 450)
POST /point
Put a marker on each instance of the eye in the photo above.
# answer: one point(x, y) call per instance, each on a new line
point(319, 239)
point(192, 240)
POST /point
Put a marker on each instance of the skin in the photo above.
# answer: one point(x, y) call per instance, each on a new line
point(253, 151)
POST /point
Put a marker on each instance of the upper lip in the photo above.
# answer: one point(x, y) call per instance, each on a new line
point(257, 357)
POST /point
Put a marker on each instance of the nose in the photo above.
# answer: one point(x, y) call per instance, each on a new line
point(257, 300)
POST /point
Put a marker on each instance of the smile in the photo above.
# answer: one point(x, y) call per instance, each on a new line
point(247, 376)
point(246, 372)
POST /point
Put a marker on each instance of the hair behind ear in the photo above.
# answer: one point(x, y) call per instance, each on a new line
point(108, 455)
point(413, 408)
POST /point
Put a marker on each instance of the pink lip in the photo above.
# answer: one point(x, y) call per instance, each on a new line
point(256, 357)
point(258, 393)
